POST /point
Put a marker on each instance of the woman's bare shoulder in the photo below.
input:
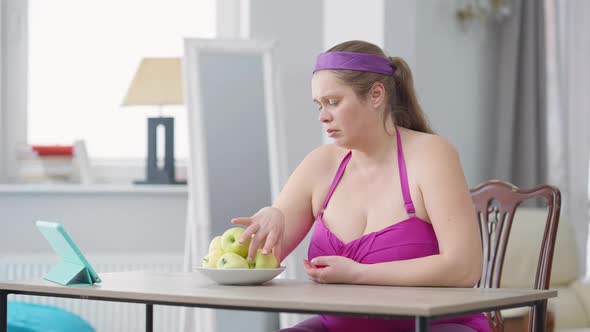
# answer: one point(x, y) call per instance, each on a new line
point(316, 167)
point(431, 155)
point(324, 158)
point(425, 147)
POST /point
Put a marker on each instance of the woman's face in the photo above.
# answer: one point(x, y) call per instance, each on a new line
point(345, 117)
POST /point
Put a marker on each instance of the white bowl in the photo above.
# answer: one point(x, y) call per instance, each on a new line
point(240, 276)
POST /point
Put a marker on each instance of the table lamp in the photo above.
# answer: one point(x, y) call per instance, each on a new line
point(158, 82)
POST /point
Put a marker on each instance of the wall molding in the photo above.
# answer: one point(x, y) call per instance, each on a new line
point(13, 83)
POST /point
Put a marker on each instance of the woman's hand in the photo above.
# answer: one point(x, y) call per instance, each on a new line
point(332, 269)
point(266, 229)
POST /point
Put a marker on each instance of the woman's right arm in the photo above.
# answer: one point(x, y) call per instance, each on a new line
point(282, 226)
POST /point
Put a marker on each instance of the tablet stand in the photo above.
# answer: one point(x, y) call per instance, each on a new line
point(67, 274)
point(73, 268)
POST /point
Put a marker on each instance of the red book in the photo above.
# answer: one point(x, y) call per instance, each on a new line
point(53, 150)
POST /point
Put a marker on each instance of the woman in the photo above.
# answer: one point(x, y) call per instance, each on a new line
point(389, 198)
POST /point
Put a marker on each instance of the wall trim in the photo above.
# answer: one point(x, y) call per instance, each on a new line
point(13, 92)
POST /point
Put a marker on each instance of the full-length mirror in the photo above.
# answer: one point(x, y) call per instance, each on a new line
point(237, 154)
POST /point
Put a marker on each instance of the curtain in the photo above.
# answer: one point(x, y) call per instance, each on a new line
point(568, 45)
point(520, 134)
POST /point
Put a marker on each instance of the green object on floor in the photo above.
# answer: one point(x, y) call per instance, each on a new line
point(29, 317)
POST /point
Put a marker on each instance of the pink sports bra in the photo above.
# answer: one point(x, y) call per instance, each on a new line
point(410, 238)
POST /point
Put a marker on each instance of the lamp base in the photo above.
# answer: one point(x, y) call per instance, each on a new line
point(155, 174)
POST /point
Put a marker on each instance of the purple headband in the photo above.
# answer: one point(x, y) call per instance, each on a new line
point(354, 61)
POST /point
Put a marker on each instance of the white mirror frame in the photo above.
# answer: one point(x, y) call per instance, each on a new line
point(199, 221)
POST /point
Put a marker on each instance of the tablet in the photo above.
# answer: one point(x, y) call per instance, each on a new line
point(64, 246)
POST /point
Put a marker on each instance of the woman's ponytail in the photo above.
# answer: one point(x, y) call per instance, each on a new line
point(405, 109)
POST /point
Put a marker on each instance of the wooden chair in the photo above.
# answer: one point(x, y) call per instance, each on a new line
point(495, 203)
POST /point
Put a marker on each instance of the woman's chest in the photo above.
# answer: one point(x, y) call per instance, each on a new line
point(356, 208)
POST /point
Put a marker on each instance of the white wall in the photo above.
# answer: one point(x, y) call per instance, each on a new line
point(400, 29)
point(352, 19)
point(13, 50)
point(297, 25)
point(454, 74)
point(100, 221)
point(455, 78)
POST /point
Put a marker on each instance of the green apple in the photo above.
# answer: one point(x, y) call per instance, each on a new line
point(268, 261)
point(214, 257)
point(205, 261)
point(230, 242)
point(215, 244)
point(230, 260)
point(210, 260)
point(251, 263)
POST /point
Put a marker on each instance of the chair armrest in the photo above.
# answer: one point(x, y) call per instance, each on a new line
point(581, 289)
point(515, 312)
point(520, 323)
point(523, 311)
point(517, 319)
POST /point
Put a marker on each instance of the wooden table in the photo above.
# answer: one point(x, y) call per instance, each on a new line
point(285, 295)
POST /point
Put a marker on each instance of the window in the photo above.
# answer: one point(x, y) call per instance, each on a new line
point(82, 58)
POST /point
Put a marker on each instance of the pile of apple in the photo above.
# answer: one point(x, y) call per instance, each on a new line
point(226, 252)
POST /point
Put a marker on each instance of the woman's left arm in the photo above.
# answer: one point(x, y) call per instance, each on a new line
point(450, 208)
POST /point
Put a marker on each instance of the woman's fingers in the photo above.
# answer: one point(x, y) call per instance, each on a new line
point(252, 229)
point(263, 234)
point(242, 221)
point(317, 273)
point(255, 244)
point(312, 271)
point(271, 242)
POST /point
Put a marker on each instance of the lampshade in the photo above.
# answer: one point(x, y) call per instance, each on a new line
point(156, 82)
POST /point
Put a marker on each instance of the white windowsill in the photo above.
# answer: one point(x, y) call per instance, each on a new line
point(92, 189)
